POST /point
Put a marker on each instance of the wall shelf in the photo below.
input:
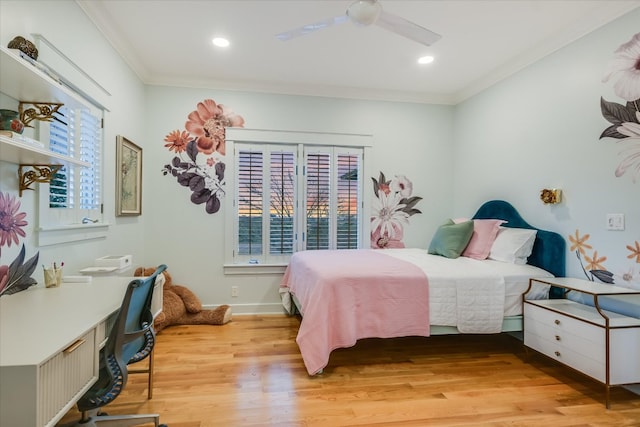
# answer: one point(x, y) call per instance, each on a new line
point(14, 151)
point(26, 81)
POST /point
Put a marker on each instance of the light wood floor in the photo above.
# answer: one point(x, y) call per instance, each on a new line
point(250, 373)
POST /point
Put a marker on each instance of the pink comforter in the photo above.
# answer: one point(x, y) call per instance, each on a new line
point(347, 295)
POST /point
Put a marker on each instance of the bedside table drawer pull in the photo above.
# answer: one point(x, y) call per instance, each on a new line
point(557, 353)
point(557, 337)
point(557, 322)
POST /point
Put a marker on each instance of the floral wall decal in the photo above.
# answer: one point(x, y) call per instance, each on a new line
point(625, 119)
point(17, 276)
point(203, 143)
point(593, 266)
point(391, 210)
point(11, 221)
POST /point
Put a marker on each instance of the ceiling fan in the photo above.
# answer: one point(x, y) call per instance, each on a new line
point(367, 12)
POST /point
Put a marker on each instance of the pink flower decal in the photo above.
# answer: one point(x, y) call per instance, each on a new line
point(208, 122)
point(11, 221)
point(198, 164)
point(177, 141)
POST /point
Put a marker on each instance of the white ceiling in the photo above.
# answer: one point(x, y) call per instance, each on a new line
point(169, 43)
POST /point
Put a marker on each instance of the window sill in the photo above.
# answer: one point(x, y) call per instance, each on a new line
point(71, 233)
point(249, 269)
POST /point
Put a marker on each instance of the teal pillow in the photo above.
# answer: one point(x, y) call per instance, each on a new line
point(451, 239)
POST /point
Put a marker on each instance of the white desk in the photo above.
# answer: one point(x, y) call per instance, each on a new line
point(49, 347)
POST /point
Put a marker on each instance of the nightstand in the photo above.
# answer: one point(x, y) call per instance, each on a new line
point(601, 344)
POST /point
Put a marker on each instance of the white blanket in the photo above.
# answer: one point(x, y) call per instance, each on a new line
point(463, 292)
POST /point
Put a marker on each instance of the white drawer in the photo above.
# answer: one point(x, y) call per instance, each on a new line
point(65, 377)
point(563, 354)
point(594, 348)
point(565, 325)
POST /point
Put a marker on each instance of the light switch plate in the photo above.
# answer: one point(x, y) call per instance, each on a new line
point(615, 222)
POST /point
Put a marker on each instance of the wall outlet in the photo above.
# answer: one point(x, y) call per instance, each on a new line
point(615, 222)
point(234, 291)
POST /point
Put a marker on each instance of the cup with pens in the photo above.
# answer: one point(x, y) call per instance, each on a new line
point(53, 275)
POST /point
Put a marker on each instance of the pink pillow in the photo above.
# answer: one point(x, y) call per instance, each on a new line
point(484, 234)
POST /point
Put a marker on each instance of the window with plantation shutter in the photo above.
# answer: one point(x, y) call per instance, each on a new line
point(293, 197)
point(74, 193)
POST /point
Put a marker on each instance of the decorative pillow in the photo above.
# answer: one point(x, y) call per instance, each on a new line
point(484, 234)
point(513, 245)
point(451, 239)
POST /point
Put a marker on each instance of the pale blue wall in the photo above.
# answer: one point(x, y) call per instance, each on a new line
point(540, 129)
point(65, 25)
point(409, 139)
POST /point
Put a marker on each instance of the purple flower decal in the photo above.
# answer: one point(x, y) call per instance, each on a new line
point(11, 221)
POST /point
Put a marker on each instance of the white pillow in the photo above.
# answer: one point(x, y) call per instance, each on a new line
point(513, 245)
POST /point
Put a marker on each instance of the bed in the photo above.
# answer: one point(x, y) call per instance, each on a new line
point(347, 295)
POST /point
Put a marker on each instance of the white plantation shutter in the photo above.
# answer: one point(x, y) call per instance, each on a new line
point(318, 192)
point(75, 192)
point(349, 203)
point(281, 204)
point(76, 133)
point(278, 212)
point(90, 152)
point(61, 137)
point(250, 196)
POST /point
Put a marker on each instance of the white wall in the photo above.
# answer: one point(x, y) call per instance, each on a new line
point(539, 129)
point(65, 25)
point(409, 139)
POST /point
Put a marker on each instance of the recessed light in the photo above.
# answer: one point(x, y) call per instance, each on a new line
point(426, 59)
point(220, 42)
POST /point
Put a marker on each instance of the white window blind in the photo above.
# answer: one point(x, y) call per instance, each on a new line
point(250, 183)
point(76, 133)
point(61, 137)
point(90, 152)
point(279, 212)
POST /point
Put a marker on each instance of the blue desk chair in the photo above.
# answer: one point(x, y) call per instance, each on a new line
point(131, 337)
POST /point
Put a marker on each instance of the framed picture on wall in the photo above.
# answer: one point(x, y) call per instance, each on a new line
point(128, 178)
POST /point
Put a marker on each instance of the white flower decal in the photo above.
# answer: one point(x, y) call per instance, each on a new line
point(625, 119)
point(626, 65)
point(387, 213)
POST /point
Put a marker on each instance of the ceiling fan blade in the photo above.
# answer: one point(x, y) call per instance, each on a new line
point(408, 29)
point(310, 28)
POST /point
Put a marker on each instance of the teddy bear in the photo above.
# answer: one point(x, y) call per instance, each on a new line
point(180, 306)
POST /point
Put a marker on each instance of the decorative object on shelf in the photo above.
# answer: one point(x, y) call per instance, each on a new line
point(42, 111)
point(17, 276)
point(25, 46)
point(128, 178)
point(37, 174)
point(204, 136)
point(625, 118)
point(391, 210)
point(551, 196)
point(10, 120)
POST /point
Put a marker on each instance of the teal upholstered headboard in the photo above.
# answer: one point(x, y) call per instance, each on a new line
point(549, 249)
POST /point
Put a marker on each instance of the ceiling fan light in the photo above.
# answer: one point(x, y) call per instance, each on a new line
point(364, 12)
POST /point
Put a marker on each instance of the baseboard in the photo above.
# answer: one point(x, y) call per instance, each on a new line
point(269, 308)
